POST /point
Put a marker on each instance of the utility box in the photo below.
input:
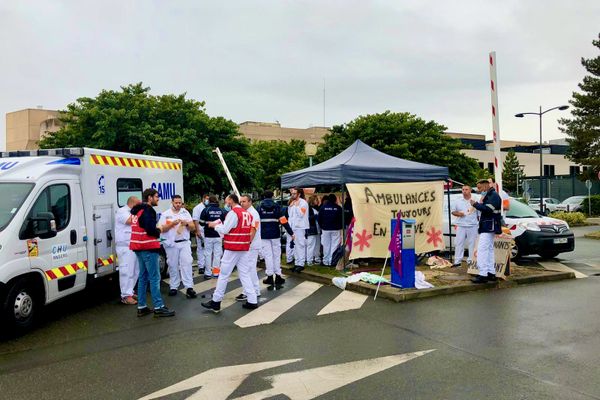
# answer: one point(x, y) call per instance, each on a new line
point(404, 276)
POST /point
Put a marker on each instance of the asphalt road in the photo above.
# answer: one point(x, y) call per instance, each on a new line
point(533, 342)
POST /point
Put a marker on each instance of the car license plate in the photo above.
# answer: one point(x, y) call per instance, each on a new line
point(561, 240)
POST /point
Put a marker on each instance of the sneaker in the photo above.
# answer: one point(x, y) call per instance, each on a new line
point(128, 300)
point(200, 270)
point(163, 312)
point(457, 264)
point(279, 280)
point(144, 311)
point(298, 268)
point(207, 277)
point(479, 279)
point(241, 297)
point(268, 280)
point(491, 277)
point(190, 293)
point(250, 306)
point(214, 306)
point(173, 292)
point(135, 296)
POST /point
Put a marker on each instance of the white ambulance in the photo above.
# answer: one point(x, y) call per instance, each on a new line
point(57, 211)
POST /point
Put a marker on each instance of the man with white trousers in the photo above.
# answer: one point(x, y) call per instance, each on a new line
point(126, 259)
point(271, 217)
point(237, 235)
point(196, 212)
point(251, 258)
point(466, 222)
point(177, 245)
point(330, 221)
point(490, 224)
point(298, 220)
point(213, 243)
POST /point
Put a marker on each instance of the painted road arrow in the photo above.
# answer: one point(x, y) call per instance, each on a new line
point(220, 383)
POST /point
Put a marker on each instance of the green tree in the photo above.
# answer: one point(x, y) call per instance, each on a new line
point(406, 136)
point(132, 120)
point(511, 171)
point(482, 173)
point(274, 158)
point(584, 128)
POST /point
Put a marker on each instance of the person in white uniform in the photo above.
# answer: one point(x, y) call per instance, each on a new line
point(196, 212)
point(177, 245)
point(467, 223)
point(126, 259)
point(252, 256)
point(237, 234)
point(298, 220)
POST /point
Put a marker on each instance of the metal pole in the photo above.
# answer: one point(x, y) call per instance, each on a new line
point(343, 217)
point(541, 167)
point(310, 161)
point(233, 186)
point(450, 223)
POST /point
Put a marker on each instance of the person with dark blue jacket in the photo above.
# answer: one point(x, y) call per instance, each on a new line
point(313, 234)
point(213, 243)
point(271, 218)
point(490, 224)
point(330, 221)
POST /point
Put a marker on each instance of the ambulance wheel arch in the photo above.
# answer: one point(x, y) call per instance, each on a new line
point(21, 300)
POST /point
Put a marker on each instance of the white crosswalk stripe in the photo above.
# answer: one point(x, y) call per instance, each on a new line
point(270, 311)
point(345, 301)
point(556, 266)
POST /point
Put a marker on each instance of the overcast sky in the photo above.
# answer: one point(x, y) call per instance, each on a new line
point(268, 60)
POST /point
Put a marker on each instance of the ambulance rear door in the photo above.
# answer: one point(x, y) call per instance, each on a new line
point(104, 243)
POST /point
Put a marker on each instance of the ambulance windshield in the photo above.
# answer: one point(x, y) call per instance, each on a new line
point(12, 198)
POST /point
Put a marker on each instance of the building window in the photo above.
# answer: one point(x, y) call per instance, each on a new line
point(491, 167)
point(127, 187)
point(574, 170)
point(548, 170)
point(481, 165)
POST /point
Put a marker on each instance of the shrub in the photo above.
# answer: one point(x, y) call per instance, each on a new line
point(571, 218)
point(595, 205)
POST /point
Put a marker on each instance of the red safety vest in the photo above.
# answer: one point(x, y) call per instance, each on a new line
point(238, 239)
point(140, 240)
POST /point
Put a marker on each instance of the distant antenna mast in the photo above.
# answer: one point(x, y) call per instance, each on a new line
point(324, 103)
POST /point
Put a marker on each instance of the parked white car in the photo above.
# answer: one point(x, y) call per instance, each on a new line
point(572, 204)
point(550, 204)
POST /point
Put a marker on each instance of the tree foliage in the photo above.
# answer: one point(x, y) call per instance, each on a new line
point(584, 128)
point(132, 120)
point(406, 136)
point(274, 158)
point(511, 171)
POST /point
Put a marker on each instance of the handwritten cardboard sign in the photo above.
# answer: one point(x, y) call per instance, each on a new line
point(375, 204)
point(502, 247)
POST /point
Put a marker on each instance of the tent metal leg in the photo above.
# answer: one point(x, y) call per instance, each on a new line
point(450, 223)
point(343, 216)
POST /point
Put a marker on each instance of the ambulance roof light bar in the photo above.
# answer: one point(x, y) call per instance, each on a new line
point(65, 152)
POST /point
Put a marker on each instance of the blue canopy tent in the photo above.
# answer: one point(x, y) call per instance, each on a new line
point(360, 163)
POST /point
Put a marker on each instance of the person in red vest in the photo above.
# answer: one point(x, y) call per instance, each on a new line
point(238, 232)
point(146, 245)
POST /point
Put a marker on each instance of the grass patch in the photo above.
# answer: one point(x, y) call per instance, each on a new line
point(593, 235)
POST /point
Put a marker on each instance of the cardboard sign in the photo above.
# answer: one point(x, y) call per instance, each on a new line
point(375, 204)
point(502, 247)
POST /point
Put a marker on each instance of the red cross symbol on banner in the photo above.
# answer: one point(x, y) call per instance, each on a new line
point(434, 236)
point(363, 240)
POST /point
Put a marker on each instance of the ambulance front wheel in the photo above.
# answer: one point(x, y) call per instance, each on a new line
point(20, 306)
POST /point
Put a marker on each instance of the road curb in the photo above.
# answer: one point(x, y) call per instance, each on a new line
point(396, 295)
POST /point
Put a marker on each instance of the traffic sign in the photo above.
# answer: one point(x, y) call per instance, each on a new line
point(588, 184)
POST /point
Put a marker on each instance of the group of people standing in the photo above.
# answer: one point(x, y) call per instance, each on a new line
point(233, 236)
point(478, 218)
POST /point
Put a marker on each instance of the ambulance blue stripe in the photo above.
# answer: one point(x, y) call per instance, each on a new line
point(67, 161)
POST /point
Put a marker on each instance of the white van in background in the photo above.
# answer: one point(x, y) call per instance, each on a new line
point(57, 212)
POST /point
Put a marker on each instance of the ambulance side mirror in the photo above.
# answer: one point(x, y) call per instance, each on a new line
point(44, 225)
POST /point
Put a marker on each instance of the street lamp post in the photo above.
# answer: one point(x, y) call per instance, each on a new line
point(539, 114)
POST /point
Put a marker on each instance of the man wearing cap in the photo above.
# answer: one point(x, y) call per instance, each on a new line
point(490, 218)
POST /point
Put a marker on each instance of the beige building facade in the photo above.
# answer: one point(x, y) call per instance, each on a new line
point(274, 131)
point(25, 128)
